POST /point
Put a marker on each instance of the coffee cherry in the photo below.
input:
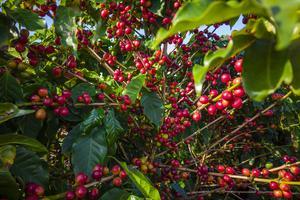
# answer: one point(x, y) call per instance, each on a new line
point(57, 72)
point(287, 194)
point(81, 179)
point(196, 116)
point(277, 193)
point(211, 110)
point(239, 92)
point(80, 191)
point(295, 170)
point(284, 187)
point(117, 181)
point(20, 47)
point(43, 92)
point(70, 195)
point(229, 170)
point(204, 99)
point(116, 170)
point(227, 95)
point(41, 114)
point(94, 193)
point(273, 185)
point(104, 14)
point(255, 172)
point(221, 168)
point(246, 172)
point(97, 174)
point(225, 78)
point(238, 65)
point(123, 174)
point(61, 100)
point(39, 191)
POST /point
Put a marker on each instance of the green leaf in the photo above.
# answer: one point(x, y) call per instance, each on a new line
point(89, 150)
point(9, 111)
point(8, 185)
point(70, 139)
point(93, 120)
point(10, 89)
point(27, 142)
point(133, 197)
point(199, 73)
point(65, 25)
point(263, 69)
point(141, 182)
point(28, 19)
point(115, 193)
point(30, 167)
point(205, 12)
point(5, 26)
point(113, 127)
point(286, 18)
point(153, 107)
point(30, 126)
point(79, 89)
point(157, 7)
point(7, 155)
point(295, 61)
point(134, 87)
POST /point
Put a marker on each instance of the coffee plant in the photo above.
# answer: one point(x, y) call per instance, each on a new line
point(147, 99)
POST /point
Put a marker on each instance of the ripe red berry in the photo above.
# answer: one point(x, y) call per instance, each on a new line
point(204, 99)
point(39, 191)
point(117, 181)
point(273, 185)
point(239, 92)
point(63, 111)
point(20, 47)
point(227, 95)
point(70, 195)
point(295, 170)
point(43, 92)
point(196, 116)
point(57, 71)
point(81, 178)
point(225, 78)
point(229, 170)
point(246, 172)
point(123, 174)
point(104, 14)
point(211, 110)
point(80, 191)
point(287, 194)
point(97, 174)
point(237, 103)
point(94, 193)
point(238, 65)
point(115, 170)
point(255, 172)
point(221, 168)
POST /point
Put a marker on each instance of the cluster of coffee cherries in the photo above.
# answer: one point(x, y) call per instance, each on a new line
point(44, 9)
point(99, 171)
point(34, 191)
point(118, 75)
point(58, 102)
point(128, 45)
point(109, 59)
point(83, 37)
point(84, 98)
point(145, 165)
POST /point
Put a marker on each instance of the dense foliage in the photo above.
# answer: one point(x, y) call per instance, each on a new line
point(144, 100)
